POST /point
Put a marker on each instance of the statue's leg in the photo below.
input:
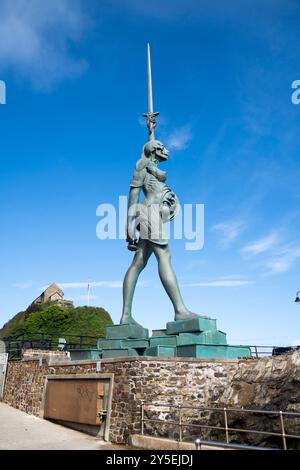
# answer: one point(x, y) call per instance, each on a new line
point(138, 264)
point(169, 281)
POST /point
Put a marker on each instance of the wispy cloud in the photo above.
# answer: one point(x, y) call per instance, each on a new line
point(179, 138)
point(84, 285)
point(262, 245)
point(81, 285)
point(230, 230)
point(275, 254)
point(24, 285)
point(37, 37)
point(84, 297)
point(221, 283)
point(283, 260)
point(75, 285)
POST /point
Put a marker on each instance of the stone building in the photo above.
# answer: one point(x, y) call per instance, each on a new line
point(53, 293)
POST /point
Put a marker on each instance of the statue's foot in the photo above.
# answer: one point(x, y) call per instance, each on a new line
point(128, 320)
point(187, 315)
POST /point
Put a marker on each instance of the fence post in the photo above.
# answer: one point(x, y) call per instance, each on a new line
point(282, 430)
point(180, 422)
point(226, 425)
point(142, 417)
point(256, 353)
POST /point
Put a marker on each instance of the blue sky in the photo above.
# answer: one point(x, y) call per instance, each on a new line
point(71, 132)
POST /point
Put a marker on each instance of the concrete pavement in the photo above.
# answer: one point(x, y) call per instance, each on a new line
point(20, 431)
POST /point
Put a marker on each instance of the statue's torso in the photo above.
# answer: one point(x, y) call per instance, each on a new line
point(160, 203)
point(153, 189)
point(151, 180)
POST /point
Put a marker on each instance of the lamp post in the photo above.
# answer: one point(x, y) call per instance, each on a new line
point(297, 299)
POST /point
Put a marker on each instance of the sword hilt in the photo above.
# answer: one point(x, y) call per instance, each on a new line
point(151, 121)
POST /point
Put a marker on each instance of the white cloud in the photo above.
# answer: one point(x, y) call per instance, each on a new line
point(24, 285)
point(81, 285)
point(179, 138)
point(230, 230)
point(262, 245)
point(84, 297)
point(283, 260)
point(221, 283)
point(36, 38)
point(84, 285)
point(278, 257)
point(109, 284)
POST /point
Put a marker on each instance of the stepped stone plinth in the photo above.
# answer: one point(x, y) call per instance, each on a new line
point(128, 331)
point(135, 343)
point(213, 352)
point(188, 326)
point(196, 338)
point(161, 351)
point(125, 352)
point(205, 337)
point(109, 343)
point(159, 332)
point(163, 341)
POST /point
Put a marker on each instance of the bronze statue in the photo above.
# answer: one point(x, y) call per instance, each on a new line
point(159, 206)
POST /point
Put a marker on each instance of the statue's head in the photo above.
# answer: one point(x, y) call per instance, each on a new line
point(155, 151)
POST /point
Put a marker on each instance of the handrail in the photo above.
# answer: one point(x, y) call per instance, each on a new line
point(181, 423)
point(256, 350)
point(47, 341)
point(216, 408)
point(45, 335)
point(229, 446)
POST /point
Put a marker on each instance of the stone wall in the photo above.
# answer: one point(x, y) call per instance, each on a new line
point(268, 383)
point(28, 354)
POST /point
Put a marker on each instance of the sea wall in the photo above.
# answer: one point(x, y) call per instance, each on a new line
point(270, 383)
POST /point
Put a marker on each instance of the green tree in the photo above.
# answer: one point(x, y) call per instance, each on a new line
point(54, 320)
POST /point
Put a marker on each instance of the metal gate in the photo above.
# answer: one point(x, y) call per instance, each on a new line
point(80, 401)
point(3, 367)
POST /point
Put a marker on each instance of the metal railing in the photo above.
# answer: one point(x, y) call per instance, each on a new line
point(41, 340)
point(261, 351)
point(45, 341)
point(223, 445)
point(226, 429)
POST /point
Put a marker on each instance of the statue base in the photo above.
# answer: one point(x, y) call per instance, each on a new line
point(193, 325)
point(196, 338)
point(127, 330)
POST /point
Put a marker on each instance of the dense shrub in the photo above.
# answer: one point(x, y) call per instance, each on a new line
point(52, 319)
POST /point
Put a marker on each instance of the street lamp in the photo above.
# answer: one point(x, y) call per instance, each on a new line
point(297, 299)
